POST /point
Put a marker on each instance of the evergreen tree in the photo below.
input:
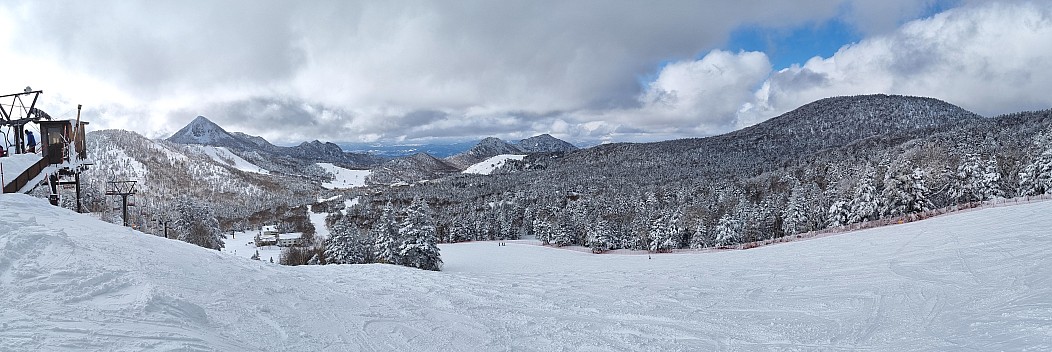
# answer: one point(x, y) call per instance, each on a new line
point(601, 238)
point(662, 235)
point(347, 245)
point(561, 235)
point(795, 217)
point(702, 237)
point(865, 206)
point(975, 180)
point(419, 246)
point(543, 230)
point(905, 193)
point(1036, 177)
point(990, 183)
point(839, 214)
point(728, 231)
point(386, 238)
point(196, 224)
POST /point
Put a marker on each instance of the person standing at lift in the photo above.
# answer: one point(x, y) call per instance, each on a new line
point(31, 142)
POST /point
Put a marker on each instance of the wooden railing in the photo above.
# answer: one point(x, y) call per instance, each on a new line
point(26, 176)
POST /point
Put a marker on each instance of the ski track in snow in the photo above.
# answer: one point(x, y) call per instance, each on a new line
point(980, 280)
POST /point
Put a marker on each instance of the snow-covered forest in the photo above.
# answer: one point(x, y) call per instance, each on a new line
point(833, 163)
point(838, 163)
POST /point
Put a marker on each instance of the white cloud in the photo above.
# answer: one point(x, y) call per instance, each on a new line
point(702, 95)
point(345, 71)
point(992, 58)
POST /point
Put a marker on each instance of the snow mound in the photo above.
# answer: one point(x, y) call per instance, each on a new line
point(979, 280)
point(224, 156)
point(487, 166)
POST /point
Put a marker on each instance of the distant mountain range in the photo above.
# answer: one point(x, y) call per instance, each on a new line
point(395, 150)
point(385, 170)
point(203, 131)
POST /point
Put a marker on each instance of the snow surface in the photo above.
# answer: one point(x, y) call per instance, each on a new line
point(15, 164)
point(344, 178)
point(979, 280)
point(224, 156)
point(243, 245)
point(487, 166)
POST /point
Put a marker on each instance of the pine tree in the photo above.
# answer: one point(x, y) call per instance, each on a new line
point(865, 206)
point(419, 246)
point(839, 214)
point(561, 235)
point(1036, 177)
point(386, 238)
point(702, 237)
point(662, 235)
point(601, 238)
point(347, 245)
point(975, 180)
point(196, 224)
point(905, 193)
point(728, 231)
point(990, 182)
point(795, 217)
point(543, 230)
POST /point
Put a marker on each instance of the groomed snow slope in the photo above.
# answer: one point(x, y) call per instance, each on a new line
point(344, 178)
point(980, 280)
point(224, 156)
point(487, 166)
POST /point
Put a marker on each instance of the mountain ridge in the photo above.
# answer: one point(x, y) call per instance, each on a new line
point(203, 131)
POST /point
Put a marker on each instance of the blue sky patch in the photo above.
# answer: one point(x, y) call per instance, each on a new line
point(785, 47)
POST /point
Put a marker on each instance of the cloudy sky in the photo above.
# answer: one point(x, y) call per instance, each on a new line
point(588, 71)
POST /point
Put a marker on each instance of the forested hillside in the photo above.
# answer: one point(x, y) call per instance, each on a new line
point(830, 163)
point(185, 189)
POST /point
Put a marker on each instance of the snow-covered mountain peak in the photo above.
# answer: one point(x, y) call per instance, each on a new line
point(487, 148)
point(205, 132)
point(545, 143)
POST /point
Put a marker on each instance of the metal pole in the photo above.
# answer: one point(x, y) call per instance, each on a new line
point(53, 182)
point(124, 198)
point(76, 180)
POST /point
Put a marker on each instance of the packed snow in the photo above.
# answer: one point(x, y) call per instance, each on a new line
point(977, 280)
point(14, 165)
point(224, 156)
point(344, 178)
point(487, 166)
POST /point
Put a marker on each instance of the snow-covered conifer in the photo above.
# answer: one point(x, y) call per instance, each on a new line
point(419, 246)
point(702, 237)
point(838, 214)
point(1036, 176)
point(865, 206)
point(385, 237)
point(663, 235)
point(727, 231)
point(601, 239)
point(905, 192)
point(794, 216)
